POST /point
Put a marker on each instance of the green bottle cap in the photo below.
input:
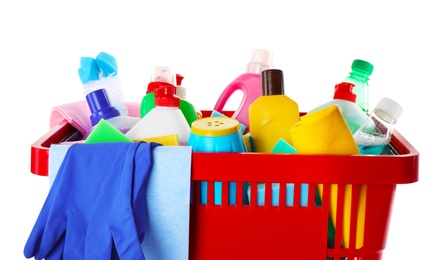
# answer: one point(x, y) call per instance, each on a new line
point(363, 66)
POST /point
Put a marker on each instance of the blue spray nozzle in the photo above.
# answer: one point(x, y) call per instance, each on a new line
point(107, 64)
point(89, 70)
point(100, 106)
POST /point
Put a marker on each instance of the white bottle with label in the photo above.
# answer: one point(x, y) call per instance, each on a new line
point(165, 119)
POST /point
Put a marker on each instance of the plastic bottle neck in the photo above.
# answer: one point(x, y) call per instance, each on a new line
point(359, 75)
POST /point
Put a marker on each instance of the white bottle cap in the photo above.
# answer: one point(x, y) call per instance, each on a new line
point(260, 61)
point(389, 110)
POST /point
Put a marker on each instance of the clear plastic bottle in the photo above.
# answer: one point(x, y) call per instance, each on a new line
point(345, 99)
point(249, 83)
point(164, 119)
point(272, 115)
point(102, 72)
point(101, 108)
point(376, 132)
point(359, 76)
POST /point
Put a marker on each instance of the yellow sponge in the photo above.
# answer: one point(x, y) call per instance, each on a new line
point(323, 132)
point(326, 132)
point(166, 140)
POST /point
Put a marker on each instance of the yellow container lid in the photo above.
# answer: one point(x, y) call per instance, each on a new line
point(215, 126)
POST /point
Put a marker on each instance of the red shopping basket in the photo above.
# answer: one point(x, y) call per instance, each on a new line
point(283, 231)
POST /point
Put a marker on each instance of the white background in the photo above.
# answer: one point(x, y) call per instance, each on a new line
point(314, 43)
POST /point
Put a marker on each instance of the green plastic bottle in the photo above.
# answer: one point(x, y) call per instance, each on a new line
point(272, 115)
point(359, 76)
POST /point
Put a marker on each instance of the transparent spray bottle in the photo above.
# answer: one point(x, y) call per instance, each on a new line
point(376, 132)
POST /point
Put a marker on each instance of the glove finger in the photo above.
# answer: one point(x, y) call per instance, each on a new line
point(98, 241)
point(57, 252)
point(75, 236)
point(125, 237)
point(39, 242)
point(55, 228)
point(33, 244)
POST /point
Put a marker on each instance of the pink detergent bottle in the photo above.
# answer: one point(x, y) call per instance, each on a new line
point(249, 84)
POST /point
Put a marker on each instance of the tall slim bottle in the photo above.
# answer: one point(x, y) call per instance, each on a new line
point(359, 76)
point(272, 115)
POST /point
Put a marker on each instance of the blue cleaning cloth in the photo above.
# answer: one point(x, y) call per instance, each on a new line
point(168, 203)
point(107, 64)
point(96, 206)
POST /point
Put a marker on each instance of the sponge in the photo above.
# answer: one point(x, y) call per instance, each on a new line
point(323, 132)
point(107, 64)
point(89, 70)
point(326, 132)
point(283, 146)
point(166, 140)
point(104, 132)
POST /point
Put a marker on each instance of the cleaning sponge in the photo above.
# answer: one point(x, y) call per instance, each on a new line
point(105, 132)
point(107, 64)
point(89, 70)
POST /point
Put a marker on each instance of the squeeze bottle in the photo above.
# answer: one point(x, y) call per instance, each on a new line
point(164, 119)
point(376, 132)
point(101, 108)
point(249, 84)
point(359, 76)
point(345, 99)
point(102, 72)
point(217, 134)
point(272, 115)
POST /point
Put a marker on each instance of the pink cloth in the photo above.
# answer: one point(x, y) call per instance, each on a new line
point(78, 115)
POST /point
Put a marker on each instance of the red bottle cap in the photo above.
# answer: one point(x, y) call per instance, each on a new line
point(165, 96)
point(344, 91)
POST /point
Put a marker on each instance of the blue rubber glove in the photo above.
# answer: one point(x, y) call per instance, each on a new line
point(96, 208)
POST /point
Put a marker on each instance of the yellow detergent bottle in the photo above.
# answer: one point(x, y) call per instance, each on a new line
point(272, 115)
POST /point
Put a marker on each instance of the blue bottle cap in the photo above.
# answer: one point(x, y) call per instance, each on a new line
point(100, 106)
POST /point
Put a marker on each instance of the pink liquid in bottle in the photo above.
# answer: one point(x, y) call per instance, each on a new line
point(249, 84)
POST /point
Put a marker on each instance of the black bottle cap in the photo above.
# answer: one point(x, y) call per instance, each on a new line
point(272, 82)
